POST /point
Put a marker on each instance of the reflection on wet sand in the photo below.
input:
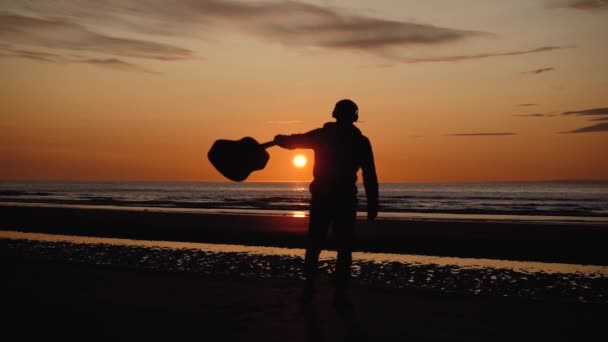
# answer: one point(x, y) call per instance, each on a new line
point(477, 276)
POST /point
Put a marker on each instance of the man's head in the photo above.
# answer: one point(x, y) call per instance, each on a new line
point(346, 111)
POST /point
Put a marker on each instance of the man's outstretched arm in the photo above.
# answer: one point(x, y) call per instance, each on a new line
point(306, 140)
point(370, 179)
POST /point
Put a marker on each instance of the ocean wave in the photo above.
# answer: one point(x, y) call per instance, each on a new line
point(303, 206)
point(568, 199)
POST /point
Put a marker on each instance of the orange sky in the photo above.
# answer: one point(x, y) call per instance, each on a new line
point(124, 91)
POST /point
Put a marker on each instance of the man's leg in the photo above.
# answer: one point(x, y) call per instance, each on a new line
point(344, 226)
point(317, 230)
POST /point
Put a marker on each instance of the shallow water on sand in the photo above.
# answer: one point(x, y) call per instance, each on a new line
point(584, 283)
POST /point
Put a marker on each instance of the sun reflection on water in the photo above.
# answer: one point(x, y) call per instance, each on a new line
point(299, 214)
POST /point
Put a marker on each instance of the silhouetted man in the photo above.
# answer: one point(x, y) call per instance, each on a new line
point(340, 151)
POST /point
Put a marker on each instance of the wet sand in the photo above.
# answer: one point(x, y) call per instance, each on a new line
point(100, 303)
point(534, 280)
point(73, 298)
point(559, 242)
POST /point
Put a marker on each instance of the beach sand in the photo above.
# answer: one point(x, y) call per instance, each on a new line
point(72, 299)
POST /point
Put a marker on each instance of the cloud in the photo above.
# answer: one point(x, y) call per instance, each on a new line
point(538, 71)
point(6, 51)
point(114, 63)
point(291, 23)
point(527, 104)
point(601, 127)
point(535, 115)
point(592, 111)
point(586, 5)
point(480, 134)
point(340, 31)
point(60, 33)
point(279, 122)
point(600, 119)
point(480, 56)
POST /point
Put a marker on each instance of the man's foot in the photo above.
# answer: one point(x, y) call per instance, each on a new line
point(307, 296)
point(342, 304)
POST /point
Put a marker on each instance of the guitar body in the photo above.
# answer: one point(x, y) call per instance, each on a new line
point(237, 159)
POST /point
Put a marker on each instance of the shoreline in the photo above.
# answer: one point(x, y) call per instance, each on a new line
point(565, 243)
point(383, 215)
point(500, 278)
point(70, 241)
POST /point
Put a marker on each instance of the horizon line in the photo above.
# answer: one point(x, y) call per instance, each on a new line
point(308, 181)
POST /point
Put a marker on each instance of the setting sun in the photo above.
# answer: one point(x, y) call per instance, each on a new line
point(299, 161)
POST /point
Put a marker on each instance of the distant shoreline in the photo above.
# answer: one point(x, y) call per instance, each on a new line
point(602, 181)
point(384, 215)
point(507, 240)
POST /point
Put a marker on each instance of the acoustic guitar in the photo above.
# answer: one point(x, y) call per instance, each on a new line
point(237, 159)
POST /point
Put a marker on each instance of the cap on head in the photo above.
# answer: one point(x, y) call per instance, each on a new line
point(346, 110)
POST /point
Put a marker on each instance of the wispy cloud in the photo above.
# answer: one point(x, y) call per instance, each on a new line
point(480, 56)
point(534, 115)
point(538, 71)
point(601, 127)
point(290, 22)
point(592, 111)
point(113, 63)
point(60, 33)
point(480, 134)
point(310, 25)
point(279, 122)
point(527, 104)
point(293, 23)
point(600, 119)
point(7, 51)
point(586, 5)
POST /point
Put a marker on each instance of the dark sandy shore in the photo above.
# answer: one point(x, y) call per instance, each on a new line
point(70, 301)
point(61, 294)
point(567, 242)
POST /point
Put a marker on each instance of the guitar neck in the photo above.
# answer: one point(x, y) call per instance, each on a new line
point(267, 144)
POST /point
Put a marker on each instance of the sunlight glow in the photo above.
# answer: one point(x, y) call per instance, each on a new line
point(299, 161)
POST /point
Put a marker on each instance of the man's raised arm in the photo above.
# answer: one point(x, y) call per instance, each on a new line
point(306, 140)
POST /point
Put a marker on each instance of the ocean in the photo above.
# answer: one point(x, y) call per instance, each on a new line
point(584, 201)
